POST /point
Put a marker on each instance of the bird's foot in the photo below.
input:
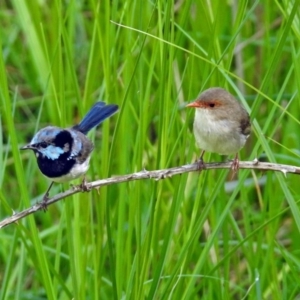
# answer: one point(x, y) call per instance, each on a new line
point(44, 204)
point(235, 164)
point(200, 164)
point(84, 185)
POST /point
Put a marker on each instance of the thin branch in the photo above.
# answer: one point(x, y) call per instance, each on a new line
point(156, 175)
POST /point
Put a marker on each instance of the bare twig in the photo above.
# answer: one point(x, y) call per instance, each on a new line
point(157, 175)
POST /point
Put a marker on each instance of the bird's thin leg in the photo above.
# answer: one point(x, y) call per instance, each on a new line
point(235, 163)
point(200, 161)
point(46, 197)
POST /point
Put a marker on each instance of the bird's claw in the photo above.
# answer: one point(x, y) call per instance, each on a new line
point(44, 204)
point(235, 164)
point(84, 186)
point(200, 164)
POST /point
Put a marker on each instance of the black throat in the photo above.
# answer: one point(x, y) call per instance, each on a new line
point(64, 163)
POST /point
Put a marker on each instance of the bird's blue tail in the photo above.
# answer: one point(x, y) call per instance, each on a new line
point(98, 113)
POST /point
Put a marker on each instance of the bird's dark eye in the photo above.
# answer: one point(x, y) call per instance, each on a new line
point(211, 105)
point(43, 145)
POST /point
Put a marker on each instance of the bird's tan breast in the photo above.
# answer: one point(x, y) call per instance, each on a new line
point(221, 136)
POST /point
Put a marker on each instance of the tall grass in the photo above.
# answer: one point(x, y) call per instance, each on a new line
point(194, 236)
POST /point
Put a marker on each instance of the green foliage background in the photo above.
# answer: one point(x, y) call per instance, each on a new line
point(194, 236)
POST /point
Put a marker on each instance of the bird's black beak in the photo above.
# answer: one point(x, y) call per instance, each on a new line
point(27, 147)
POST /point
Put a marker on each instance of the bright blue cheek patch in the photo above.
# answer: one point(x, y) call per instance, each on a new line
point(52, 152)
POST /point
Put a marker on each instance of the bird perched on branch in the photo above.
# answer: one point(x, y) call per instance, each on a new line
point(64, 154)
point(221, 124)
